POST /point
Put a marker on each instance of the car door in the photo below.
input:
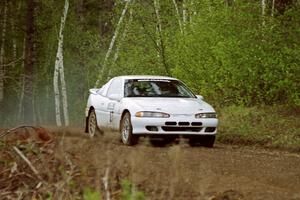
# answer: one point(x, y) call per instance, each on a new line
point(114, 95)
point(100, 105)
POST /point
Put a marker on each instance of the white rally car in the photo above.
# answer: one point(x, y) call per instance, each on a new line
point(155, 106)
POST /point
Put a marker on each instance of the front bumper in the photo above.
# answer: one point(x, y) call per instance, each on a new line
point(174, 125)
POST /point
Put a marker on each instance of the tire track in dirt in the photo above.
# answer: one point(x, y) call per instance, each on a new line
point(183, 172)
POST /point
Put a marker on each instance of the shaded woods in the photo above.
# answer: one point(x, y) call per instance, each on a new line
point(232, 52)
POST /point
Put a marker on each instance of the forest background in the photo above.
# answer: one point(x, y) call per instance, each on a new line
point(242, 56)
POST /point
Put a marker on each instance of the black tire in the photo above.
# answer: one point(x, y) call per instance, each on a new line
point(92, 127)
point(203, 140)
point(208, 141)
point(126, 131)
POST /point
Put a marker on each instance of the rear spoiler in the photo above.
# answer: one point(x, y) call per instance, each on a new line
point(93, 91)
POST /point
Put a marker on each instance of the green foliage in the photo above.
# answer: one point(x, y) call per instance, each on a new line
point(89, 194)
point(50, 196)
point(271, 126)
point(225, 53)
point(2, 144)
point(129, 192)
point(231, 58)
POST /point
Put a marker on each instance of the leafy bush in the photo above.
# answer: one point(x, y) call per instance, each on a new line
point(89, 194)
point(129, 192)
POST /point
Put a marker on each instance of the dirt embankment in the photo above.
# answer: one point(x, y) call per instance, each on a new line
point(172, 172)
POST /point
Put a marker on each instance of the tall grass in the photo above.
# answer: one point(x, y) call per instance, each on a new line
point(269, 126)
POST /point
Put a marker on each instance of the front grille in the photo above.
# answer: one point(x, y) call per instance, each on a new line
point(171, 123)
point(183, 123)
point(196, 123)
point(181, 129)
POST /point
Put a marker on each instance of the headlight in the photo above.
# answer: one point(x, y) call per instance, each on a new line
point(152, 114)
point(206, 115)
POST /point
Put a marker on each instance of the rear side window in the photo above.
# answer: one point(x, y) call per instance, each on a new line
point(103, 90)
point(115, 87)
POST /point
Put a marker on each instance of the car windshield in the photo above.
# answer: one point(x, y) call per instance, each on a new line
point(156, 88)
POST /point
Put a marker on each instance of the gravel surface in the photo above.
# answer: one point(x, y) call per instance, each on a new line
point(179, 171)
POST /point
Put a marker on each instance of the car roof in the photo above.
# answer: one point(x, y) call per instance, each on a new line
point(145, 77)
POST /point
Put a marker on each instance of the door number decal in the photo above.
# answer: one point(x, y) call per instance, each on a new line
point(111, 116)
point(111, 106)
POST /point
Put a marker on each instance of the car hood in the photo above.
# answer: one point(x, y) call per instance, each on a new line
point(171, 105)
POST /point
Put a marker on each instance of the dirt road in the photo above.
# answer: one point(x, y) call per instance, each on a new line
point(183, 172)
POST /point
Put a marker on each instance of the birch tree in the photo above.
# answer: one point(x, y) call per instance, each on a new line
point(112, 42)
point(116, 55)
point(263, 11)
point(123, 36)
point(2, 52)
point(273, 8)
point(158, 26)
point(59, 71)
point(178, 15)
point(184, 13)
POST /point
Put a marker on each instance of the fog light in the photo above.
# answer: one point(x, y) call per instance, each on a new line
point(151, 128)
point(210, 129)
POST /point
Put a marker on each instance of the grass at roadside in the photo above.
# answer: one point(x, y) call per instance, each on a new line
point(268, 126)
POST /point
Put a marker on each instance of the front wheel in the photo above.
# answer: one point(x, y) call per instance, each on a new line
point(126, 131)
point(208, 141)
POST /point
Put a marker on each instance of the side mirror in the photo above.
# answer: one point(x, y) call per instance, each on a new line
point(116, 97)
point(93, 91)
point(199, 97)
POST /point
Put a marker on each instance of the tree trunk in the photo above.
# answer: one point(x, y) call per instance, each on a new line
point(22, 79)
point(13, 30)
point(160, 42)
point(116, 56)
point(64, 95)
point(112, 42)
point(184, 13)
point(56, 91)
point(273, 7)
point(59, 71)
point(263, 11)
point(29, 63)
point(158, 27)
point(80, 11)
point(2, 53)
point(178, 16)
point(123, 37)
point(21, 109)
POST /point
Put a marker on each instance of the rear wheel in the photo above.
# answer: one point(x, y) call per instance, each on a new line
point(93, 129)
point(126, 131)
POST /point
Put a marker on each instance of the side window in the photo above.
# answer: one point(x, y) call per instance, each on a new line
point(115, 87)
point(103, 89)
